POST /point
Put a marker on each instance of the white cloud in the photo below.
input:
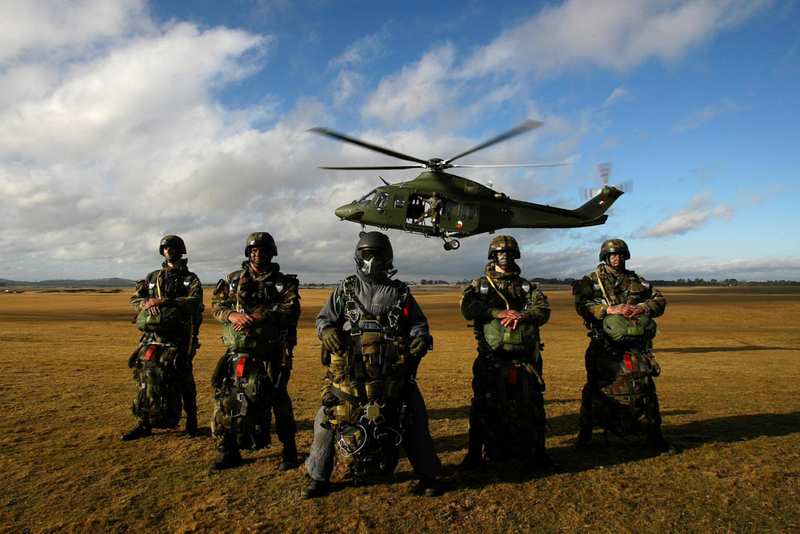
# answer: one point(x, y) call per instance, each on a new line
point(414, 91)
point(60, 27)
point(364, 50)
point(691, 267)
point(700, 116)
point(697, 212)
point(614, 34)
point(617, 95)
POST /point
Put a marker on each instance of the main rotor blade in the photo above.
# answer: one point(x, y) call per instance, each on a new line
point(522, 128)
point(384, 168)
point(363, 144)
point(520, 165)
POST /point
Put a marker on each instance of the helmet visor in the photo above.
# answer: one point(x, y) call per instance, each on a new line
point(379, 254)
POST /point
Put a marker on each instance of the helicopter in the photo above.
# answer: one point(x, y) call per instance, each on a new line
point(439, 204)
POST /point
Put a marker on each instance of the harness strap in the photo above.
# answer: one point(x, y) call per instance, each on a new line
point(339, 394)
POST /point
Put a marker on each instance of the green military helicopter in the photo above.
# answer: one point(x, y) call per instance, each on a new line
point(458, 207)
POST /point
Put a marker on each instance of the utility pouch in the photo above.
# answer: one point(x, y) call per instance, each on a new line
point(259, 338)
point(168, 319)
point(621, 328)
point(498, 337)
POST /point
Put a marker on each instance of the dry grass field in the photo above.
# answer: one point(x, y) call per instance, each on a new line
point(730, 395)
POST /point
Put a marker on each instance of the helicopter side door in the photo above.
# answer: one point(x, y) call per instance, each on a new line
point(461, 218)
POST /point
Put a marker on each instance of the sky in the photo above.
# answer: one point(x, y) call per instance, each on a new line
point(125, 120)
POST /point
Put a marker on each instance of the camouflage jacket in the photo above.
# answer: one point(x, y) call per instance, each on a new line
point(180, 288)
point(273, 295)
point(375, 299)
point(627, 288)
point(480, 302)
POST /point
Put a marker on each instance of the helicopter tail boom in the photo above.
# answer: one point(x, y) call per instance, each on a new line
point(598, 205)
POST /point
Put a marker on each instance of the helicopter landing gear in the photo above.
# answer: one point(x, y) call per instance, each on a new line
point(453, 244)
point(363, 231)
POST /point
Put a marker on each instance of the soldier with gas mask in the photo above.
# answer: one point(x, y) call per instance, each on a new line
point(170, 306)
point(506, 417)
point(374, 335)
point(259, 307)
point(618, 307)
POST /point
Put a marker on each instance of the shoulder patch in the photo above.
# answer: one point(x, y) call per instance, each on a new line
point(484, 286)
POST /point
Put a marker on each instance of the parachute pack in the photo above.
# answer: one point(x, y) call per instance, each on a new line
point(243, 391)
point(511, 406)
point(626, 406)
point(158, 400)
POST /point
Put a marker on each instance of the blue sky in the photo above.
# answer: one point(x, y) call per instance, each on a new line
point(124, 120)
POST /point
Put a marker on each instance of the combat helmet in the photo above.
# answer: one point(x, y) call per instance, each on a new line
point(172, 241)
point(504, 243)
point(614, 246)
point(260, 239)
point(374, 254)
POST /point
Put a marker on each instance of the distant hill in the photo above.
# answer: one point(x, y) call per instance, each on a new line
point(98, 282)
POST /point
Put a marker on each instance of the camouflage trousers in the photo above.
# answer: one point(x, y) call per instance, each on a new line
point(599, 409)
point(507, 416)
point(252, 389)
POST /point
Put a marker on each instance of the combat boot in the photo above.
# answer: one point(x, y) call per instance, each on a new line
point(541, 460)
point(471, 462)
point(314, 489)
point(139, 431)
point(656, 440)
point(429, 488)
point(584, 438)
point(227, 460)
point(289, 456)
point(191, 425)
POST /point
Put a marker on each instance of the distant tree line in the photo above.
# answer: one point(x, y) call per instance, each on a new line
point(683, 282)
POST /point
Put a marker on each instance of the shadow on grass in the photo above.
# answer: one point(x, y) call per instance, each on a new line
point(462, 412)
point(622, 451)
point(703, 350)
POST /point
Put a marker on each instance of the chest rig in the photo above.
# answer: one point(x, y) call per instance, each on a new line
point(374, 338)
point(169, 283)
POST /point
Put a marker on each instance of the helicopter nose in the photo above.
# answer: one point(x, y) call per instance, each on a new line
point(348, 212)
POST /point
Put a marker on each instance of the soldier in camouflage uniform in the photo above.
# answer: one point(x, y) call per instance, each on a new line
point(260, 307)
point(507, 415)
point(374, 334)
point(434, 211)
point(173, 286)
point(613, 290)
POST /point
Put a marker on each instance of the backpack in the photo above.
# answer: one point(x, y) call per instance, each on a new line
point(158, 399)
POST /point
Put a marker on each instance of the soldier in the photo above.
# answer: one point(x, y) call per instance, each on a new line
point(614, 292)
point(173, 287)
point(374, 335)
point(259, 307)
point(506, 415)
point(434, 210)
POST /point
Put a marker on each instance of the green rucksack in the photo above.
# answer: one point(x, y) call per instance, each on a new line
point(259, 338)
point(498, 337)
point(621, 328)
point(168, 319)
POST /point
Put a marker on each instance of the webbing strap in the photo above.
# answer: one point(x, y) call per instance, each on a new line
point(338, 393)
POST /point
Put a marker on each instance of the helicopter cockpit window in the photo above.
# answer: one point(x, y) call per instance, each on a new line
point(399, 201)
point(451, 208)
point(366, 199)
point(382, 201)
point(470, 211)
